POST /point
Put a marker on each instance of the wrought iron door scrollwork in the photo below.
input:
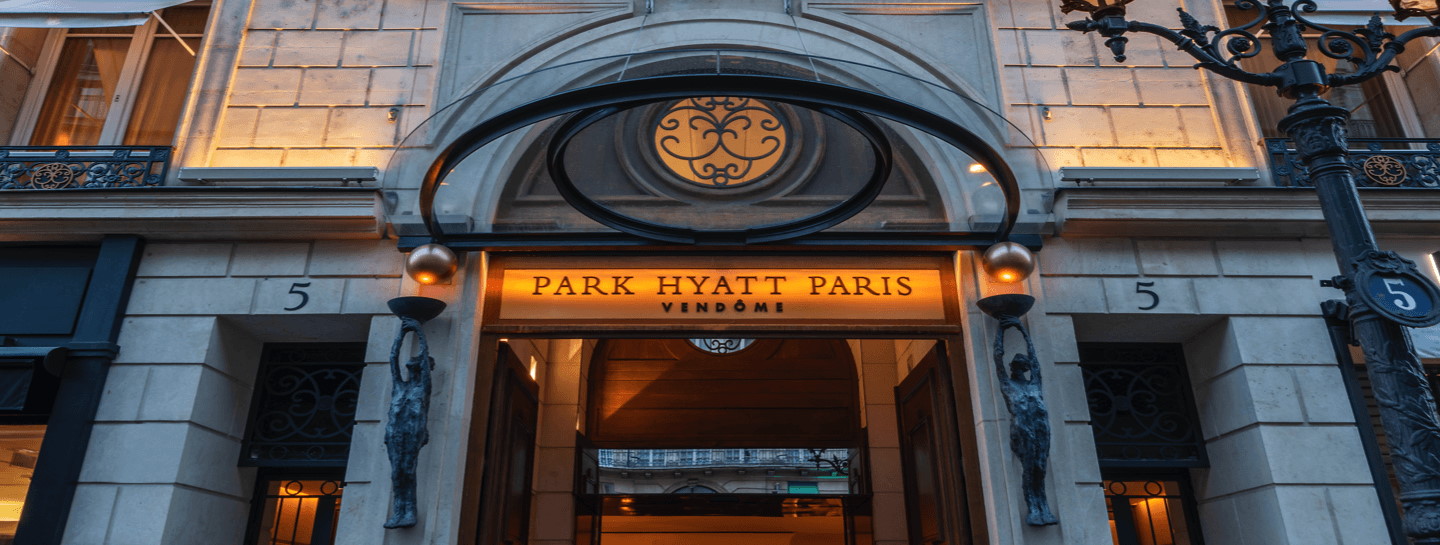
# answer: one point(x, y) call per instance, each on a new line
point(722, 346)
point(1141, 408)
point(304, 407)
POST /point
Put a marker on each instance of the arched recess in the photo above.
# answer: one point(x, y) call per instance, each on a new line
point(666, 393)
point(485, 193)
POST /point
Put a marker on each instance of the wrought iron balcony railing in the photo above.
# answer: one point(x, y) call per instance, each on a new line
point(1378, 162)
point(76, 167)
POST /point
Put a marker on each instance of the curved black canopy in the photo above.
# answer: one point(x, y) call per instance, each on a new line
point(863, 96)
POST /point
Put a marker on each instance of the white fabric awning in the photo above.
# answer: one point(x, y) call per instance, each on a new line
point(78, 13)
point(1427, 341)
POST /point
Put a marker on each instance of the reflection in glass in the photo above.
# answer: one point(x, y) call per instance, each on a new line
point(162, 94)
point(81, 92)
point(19, 449)
point(723, 471)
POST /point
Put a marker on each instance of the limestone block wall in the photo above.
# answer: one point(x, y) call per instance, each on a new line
point(557, 364)
point(1084, 109)
point(163, 460)
point(1286, 463)
point(879, 361)
point(328, 83)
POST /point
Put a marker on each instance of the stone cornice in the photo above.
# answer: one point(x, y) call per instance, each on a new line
point(192, 213)
point(1233, 212)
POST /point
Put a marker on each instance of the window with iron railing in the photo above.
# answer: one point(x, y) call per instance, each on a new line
point(96, 107)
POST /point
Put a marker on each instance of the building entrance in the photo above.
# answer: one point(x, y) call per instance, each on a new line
point(719, 440)
point(798, 441)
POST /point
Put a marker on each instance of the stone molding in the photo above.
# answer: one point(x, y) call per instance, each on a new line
point(279, 176)
point(1153, 176)
point(192, 213)
point(1231, 212)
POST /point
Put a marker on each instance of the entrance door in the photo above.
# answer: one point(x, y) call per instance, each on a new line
point(936, 510)
point(509, 455)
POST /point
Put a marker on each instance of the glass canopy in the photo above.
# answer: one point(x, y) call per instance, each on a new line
point(714, 147)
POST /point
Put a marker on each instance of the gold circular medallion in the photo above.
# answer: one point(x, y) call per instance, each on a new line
point(720, 141)
point(51, 176)
point(1384, 170)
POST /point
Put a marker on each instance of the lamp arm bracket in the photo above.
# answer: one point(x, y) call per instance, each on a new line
point(1385, 55)
point(1203, 42)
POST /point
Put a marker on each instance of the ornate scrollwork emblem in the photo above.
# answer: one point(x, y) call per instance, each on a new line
point(720, 141)
point(1384, 170)
point(722, 346)
point(52, 176)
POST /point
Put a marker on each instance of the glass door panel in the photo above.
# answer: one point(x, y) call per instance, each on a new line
point(82, 91)
point(161, 96)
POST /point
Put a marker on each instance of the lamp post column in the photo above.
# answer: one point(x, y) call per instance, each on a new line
point(1384, 290)
point(1407, 409)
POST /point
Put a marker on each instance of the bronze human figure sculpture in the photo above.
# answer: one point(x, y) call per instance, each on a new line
point(407, 431)
point(1025, 398)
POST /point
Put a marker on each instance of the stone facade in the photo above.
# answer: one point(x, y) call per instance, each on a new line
point(1227, 266)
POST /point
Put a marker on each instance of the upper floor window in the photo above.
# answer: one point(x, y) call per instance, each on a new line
point(112, 85)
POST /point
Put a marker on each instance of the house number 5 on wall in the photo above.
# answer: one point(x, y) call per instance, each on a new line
point(304, 297)
point(1154, 297)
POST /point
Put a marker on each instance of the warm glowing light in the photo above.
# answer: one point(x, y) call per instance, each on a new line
point(10, 510)
point(1152, 520)
point(818, 293)
point(1008, 262)
point(431, 264)
point(976, 168)
point(720, 141)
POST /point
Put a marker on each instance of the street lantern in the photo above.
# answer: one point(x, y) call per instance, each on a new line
point(1099, 7)
point(1384, 292)
point(1429, 9)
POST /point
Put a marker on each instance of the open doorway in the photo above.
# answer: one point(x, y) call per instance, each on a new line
point(717, 441)
point(800, 441)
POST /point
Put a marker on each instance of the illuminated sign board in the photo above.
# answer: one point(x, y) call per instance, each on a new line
point(720, 290)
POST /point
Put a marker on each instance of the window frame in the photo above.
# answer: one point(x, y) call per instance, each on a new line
point(265, 475)
point(137, 57)
point(1189, 504)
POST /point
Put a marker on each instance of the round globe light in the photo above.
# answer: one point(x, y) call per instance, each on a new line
point(431, 264)
point(1008, 262)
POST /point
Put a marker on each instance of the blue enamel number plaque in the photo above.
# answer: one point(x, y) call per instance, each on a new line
point(1401, 298)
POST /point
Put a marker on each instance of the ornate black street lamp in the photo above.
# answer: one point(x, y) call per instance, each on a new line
point(1384, 291)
